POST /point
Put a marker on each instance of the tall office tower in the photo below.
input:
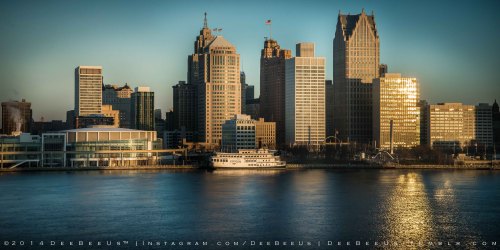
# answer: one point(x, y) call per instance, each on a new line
point(215, 69)
point(495, 114)
point(88, 90)
point(16, 117)
point(484, 124)
point(185, 106)
point(395, 99)
point(450, 125)
point(330, 131)
point(355, 64)
point(142, 109)
point(272, 86)
point(119, 99)
point(305, 97)
point(424, 124)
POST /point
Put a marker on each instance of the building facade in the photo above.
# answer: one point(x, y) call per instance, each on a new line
point(450, 125)
point(484, 124)
point(119, 99)
point(305, 97)
point(395, 99)
point(108, 111)
point(185, 104)
point(16, 117)
point(356, 62)
point(88, 90)
point(495, 110)
point(142, 109)
point(424, 123)
point(272, 86)
point(265, 134)
point(215, 69)
point(330, 130)
point(238, 133)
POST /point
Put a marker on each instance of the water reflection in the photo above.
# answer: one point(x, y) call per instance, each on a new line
point(408, 216)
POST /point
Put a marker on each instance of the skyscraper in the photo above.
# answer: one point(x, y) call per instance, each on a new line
point(272, 86)
point(142, 109)
point(88, 90)
point(356, 60)
point(395, 99)
point(119, 99)
point(16, 117)
point(330, 130)
point(305, 97)
point(185, 106)
point(495, 114)
point(215, 69)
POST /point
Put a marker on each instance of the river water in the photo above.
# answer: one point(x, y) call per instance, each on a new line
point(311, 209)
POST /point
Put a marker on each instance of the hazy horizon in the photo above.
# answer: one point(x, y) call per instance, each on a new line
point(451, 47)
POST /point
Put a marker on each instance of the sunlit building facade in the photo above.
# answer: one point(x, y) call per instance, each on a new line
point(88, 90)
point(450, 125)
point(356, 62)
point(305, 97)
point(265, 134)
point(395, 98)
point(119, 99)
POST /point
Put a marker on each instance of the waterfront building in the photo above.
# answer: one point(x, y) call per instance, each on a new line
point(450, 125)
point(356, 62)
point(265, 134)
point(424, 123)
point(495, 114)
point(330, 130)
point(185, 104)
point(305, 97)
point(395, 100)
point(119, 99)
point(107, 110)
point(16, 117)
point(142, 109)
point(88, 90)
point(169, 120)
point(238, 133)
point(484, 125)
point(272, 86)
point(215, 69)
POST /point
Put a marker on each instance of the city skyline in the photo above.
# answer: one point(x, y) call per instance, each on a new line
point(41, 51)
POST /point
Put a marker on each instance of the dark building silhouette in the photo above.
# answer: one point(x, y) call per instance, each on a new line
point(184, 106)
point(496, 125)
point(142, 109)
point(272, 86)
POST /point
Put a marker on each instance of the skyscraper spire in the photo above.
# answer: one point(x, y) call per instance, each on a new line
point(205, 23)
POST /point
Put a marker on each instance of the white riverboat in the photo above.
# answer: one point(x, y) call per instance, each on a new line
point(247, 158)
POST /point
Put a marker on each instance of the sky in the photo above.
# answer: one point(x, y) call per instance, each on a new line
point(452, 47)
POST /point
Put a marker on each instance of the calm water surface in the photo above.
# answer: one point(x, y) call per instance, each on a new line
point(395, 206)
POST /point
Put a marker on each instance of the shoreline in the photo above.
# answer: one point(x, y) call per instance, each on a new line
point(288, 167)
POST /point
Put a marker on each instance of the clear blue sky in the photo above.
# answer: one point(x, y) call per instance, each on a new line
point(452, 47)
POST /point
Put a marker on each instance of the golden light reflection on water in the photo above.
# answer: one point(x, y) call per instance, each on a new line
point(408, 214)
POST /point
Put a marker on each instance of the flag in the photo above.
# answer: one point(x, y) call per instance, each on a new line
point(268, 21)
